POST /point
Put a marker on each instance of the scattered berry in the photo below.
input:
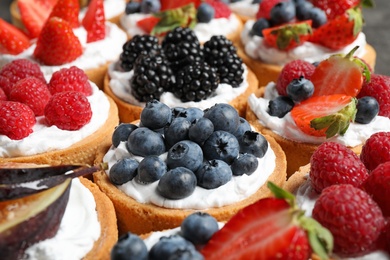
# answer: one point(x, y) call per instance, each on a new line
point(200, 130)
point(176, 131)
point(150, 6)
point(123, 170)
point(259, 26)
point(199, 228)
point(367, 110)
point(186, 154)
point(150, 169)
point(177, 183)
point(132, 7)
point(213, 174)
point(70, 79)
point(376, 150)
point(130, 247)
point(245, 164)
point(254, 143)
point(280, 106)
point(122, 133)
point(155, 115)
point(282, 12)
point(224, 117)
point(221, 145)
point(143, 142)
point(300, 89)
point(205, 13)
point(265, 8)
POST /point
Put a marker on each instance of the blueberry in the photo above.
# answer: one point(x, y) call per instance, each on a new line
point(282, 12)
point(199, 227)
point(259, 26)
point(224, 117)
point(213, 174)
point(245, 164)
point(176, 131)
point(185, 154)
point(205, 13)
point(129, 247)
point(133, 7)
point(302, 10)
point(121, 133)
point(300, 89)
point(143, 141)
point(200, 130)
point(177, 183)
point(318, 17)
point(173, 247)
point(192, 114)
point(123, 171)
point(253, 143)
point(178, 111)
point(256, 1)
point(242, 128)
point(280, 106)
point(150, 6)
point(155, 115)
point(221, 145)
point(150, 169)
point(367, 109)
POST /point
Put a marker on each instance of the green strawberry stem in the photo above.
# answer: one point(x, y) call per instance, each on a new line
point(367, 3)
point(289, 33)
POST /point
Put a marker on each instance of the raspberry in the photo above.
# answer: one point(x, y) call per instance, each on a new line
point(6, 85)
point(221, 9)
point(20, 69)
point(3, 96)
point(70, 79)
point(293, 70)
point(376, 150)
point(32, 92)
point(265, 8)
point(334, 163)
point(68, 110)
point(16, 120)
point(379, 88)
point(352, 216)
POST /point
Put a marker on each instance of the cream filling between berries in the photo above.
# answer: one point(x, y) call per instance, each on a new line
point(245, 7)
point(225, 93)
point(45, 139)
point(95, 54)
point(204, 31)
point(237, 189)
point(356, 134)
point(78, 231)
point(308, 51)
point(112, 8)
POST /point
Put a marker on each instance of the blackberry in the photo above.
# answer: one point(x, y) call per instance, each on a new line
point(220, 53)
point(139, 44)
point(152, 76)
point(182, 47)
point(195, 82)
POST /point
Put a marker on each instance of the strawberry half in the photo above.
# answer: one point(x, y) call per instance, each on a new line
point(272, 228)
point(169, 4)
point(325, 115)
point(94, 21)
point(12, 40)
point(148, 23)
point(67, 10)
point(33, 15)
point(336, 8)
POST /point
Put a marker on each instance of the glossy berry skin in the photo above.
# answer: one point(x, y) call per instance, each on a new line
point(213, 174)
point(333, 163)
point(259, 26)
point(205, 13)
point(352, 216)
point(150, 169)
point(302, 10)
point(143, 142)
point(176, 131)
point(300, 89)
point(335, 8)
point(150, 6)
point(224, 117)
point(266, 7)
point(367, 109)
point(177, 183)
point(318, 17)
point(253, 143)
point(3, 96)
point(122, 133)
point(242, 128)
point(282, 12)
point(13, 40)
point(245, 164)
point(123, 171)
point(129, 247)
point(155, 115)
point(280, 106)
point(201, 130)
point(174, 247)
point(185, 154)
point(222, 10)
point(199, 227)
point(70, 79)
point(221, 145)
point(191, 114)
point(376, 150)
point(133, 7)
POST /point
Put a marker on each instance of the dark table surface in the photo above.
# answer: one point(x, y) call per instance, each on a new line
point(377, 30)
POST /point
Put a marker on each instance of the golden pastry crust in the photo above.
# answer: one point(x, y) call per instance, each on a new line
point(82, 152)
point(144, 218)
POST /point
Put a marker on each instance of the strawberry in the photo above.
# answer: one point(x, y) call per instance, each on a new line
point(339, 32)
point(340, 75)
point(336, 8)
point(376, 150)
point(33, 15)
point(94, 21)
point(148, 23)
point(48, 3)
point(169, 4)
point(325, 115)
point(271, 228)
point(265, 7)
point(67, 10)
point(57, 44)
point(12, 40)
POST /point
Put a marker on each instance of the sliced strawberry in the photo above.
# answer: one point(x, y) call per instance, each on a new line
point(57, 44)
point(265, 7)
point(336, 8)
point(169, 4)
point(48, 3)
point(147, 24)
point(288, 36)
point(325, 115)
point(67, 10)
point(94, 21)
point(12, 40)
point(33, 15)
point(221, 9)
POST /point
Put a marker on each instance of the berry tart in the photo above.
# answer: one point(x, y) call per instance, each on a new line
point(165, 168)
point(63, 216)
point(287, 30)
point(245, 9)
point(310, 105)
point(60, 39)
point(157, 17)
point(65, 120)
point(178, 72)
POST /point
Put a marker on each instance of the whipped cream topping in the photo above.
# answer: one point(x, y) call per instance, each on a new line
point(237, 189)
point(225, 93)
point(245, 8)
point(112, 8)
point(95, 54)
point(78, 231)
point(46, 138)
point(204, 31)
point(356, 134)
point(256, 48)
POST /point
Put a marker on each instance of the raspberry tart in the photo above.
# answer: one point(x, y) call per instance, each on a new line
point(209, 162)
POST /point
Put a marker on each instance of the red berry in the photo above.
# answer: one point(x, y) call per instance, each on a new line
point(376, 150)
point(352, 216)
point(16, 120)
point(3, 96)
point(5, 84)
point(68, 110)
point(221, 9)
point(335, 8)
point(94, 21)
point(265, 8)
point(334, 163)
point(293, 70)
point(32, 92)
point(70, 79)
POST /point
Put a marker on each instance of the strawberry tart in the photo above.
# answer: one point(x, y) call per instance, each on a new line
point(308, 30)
point(201, 161)
point(64, 120)
point(310, 105)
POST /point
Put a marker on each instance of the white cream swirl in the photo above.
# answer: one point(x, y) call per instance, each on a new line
point(245, 8)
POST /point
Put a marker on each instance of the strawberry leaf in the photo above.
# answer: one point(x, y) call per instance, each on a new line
point(355, 15)
point(368, 3)
point(320, 238)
